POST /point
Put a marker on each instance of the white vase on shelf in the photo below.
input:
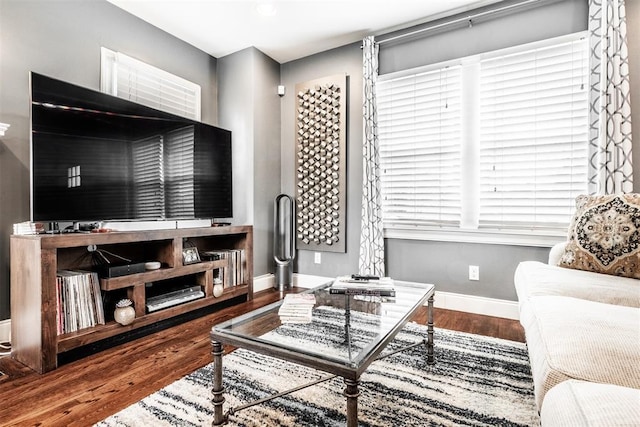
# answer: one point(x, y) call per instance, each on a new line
point(218, 289)
point(124, 314)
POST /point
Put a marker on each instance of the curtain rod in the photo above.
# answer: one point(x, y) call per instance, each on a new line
point(468, 19)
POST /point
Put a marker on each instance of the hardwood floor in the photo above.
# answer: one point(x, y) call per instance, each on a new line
point(88, 390)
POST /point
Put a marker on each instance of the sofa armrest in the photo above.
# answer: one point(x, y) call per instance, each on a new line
point(556, 253)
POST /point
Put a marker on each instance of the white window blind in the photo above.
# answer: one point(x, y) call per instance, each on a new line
point(420, 129)
point(533, 136)
point(495, 143)
point(137, 81)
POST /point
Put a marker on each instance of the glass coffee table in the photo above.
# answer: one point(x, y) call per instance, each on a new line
point(368, 323)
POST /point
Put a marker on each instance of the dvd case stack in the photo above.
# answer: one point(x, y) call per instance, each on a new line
point(233, 274)
point(79, 300)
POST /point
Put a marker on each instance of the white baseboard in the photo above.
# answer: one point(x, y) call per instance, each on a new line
point(267, 281)
point(477, 305)
point(5, 330)
point(446, 300)
point(263, 282)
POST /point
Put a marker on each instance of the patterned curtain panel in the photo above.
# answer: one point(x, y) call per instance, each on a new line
point(610, 110)
point(371, 237)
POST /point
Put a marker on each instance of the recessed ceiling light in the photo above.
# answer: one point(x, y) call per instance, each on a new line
point(266, 8)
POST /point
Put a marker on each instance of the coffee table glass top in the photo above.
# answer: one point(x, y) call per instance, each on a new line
point(346, 330)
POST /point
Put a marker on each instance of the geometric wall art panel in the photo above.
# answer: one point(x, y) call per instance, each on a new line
point(320, 164)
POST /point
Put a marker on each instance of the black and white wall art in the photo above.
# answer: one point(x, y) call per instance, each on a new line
point(320, 163)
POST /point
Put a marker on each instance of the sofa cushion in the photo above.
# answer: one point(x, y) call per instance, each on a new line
point(570, 338)
point(604, 235)
point(556, 252)
point(579, 403)
point(533, 278)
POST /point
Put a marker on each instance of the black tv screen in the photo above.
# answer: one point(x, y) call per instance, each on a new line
point(96, 157)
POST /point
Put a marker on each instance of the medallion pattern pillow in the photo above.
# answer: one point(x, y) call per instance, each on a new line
point(604, 235)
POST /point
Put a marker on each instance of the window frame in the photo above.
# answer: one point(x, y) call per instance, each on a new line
point(110, 64)
point(469, 230)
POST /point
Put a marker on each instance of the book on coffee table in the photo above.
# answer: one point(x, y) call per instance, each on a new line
point(297, 308)
point(347, 285)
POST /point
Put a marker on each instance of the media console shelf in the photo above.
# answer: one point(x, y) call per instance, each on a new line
point(36, 259)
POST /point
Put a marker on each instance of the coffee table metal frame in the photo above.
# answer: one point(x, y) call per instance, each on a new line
point(350, 371)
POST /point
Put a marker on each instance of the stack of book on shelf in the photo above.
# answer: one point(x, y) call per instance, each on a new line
point(79, 300)
point(297, 308)
point(233, 274)
point(363, 285)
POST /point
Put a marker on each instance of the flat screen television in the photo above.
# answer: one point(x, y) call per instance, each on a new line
point(96, 157)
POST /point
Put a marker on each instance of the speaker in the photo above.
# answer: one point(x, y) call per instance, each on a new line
point(110, 270)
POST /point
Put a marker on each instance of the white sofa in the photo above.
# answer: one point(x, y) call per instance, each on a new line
point(583, 337)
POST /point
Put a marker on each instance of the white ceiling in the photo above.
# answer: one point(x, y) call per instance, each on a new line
point(294, 28)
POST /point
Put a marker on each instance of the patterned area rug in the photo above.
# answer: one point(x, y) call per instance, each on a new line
point(476, 381)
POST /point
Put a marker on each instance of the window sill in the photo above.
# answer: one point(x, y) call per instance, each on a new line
point(545, 239)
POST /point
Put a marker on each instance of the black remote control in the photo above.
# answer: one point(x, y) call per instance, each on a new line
point(364, 277)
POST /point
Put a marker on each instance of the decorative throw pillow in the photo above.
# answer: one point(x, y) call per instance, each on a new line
point(604, 235)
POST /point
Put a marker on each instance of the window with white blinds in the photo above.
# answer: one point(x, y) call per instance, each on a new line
point(128, 78)
point(533, 136)
point(492, 142)
point(419, 126)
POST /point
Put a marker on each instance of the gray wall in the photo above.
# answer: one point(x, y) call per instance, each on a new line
point(62, 39)
point(250, 108)
point(236, 93)
point(445, 264)
point(553, 19)
point(266, 168)
point(347, 59)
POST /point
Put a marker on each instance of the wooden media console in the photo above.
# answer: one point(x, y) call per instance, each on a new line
point(36, 260)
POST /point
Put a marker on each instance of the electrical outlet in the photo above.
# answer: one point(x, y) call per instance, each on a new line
point(317, 257)
point(474, 272)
